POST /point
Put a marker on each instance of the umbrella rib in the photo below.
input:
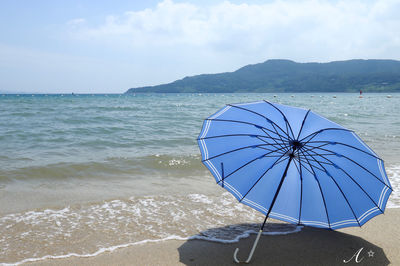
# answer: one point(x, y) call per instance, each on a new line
point(302, 123)
point(248, 123)
point(274, 132)
point(325, 154)
point(282, 144)
point(280, 152)
point(344, 156)
point(296, 165)
point(321, 130)
point(356, 184)
point(244, 165)
point(282, 159)
point(309, 148)
point(316, 167)
point(238, 149)
point(272, 122)
point(320, 189)
point(341, 143)
point(305, 143)
point(301, 191)
point(287, 129)
point(284, 117)
point(279, 187)
point(233, 135)
point(348, 203)
point(315, 160)
point(275, 163)
point(272, 156)
point(274, 139)
point(279, 136)
point(301, 184)
point(307, 168)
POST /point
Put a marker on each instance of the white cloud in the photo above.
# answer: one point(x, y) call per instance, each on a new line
point(308, 30)
point(176, 39)
point(77, 21)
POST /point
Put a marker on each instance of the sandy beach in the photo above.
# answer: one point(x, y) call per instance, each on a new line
point(378, 241)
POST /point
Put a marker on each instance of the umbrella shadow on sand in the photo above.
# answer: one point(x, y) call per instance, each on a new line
point(310, 246)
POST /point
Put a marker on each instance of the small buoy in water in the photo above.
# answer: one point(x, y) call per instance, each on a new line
point(334, 96)
point(360, 96)
point(389, 96)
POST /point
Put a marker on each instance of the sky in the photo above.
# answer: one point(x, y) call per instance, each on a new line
point(78, 46)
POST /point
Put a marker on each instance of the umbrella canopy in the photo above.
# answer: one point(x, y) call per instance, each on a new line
point(294, 165)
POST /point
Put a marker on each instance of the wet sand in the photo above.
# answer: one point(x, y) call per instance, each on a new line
point(376, 243)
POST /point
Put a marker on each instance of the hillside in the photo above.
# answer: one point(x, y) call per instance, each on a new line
point(288, 76)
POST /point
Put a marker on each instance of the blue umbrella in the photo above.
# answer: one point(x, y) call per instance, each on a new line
point(294, 165)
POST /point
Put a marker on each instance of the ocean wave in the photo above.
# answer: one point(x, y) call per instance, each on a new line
point(244, 234)
point(111, 167)
point(393, 173)
point(88, 230)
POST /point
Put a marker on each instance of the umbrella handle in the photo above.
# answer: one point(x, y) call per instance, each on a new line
point(251, 252)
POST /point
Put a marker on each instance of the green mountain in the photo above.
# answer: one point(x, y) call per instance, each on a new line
point(289, 76)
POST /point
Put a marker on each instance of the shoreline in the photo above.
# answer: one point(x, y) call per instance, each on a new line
point(310, 246)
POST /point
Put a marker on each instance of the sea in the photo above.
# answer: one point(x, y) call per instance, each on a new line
point(82, 174)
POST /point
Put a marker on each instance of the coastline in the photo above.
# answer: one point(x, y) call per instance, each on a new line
point(310, 246)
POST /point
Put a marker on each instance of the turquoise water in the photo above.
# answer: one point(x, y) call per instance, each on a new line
point(42, 131)
point(67, 158)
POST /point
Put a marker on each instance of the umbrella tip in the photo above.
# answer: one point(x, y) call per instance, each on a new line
point(296, 144)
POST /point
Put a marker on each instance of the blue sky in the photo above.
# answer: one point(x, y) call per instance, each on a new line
point(111, 46)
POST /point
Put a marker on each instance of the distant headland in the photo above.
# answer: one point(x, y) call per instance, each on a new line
point(279, 75)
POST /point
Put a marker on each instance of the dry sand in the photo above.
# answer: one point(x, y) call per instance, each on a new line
point(380, 237)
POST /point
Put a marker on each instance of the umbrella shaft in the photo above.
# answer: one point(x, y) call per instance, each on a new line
point(277, 192)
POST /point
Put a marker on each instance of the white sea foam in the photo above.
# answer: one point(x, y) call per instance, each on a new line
point(177, 162)
point(393, 173)
point(200, 198)
point(237, 238)
point(101, 250)
point(84, 231)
